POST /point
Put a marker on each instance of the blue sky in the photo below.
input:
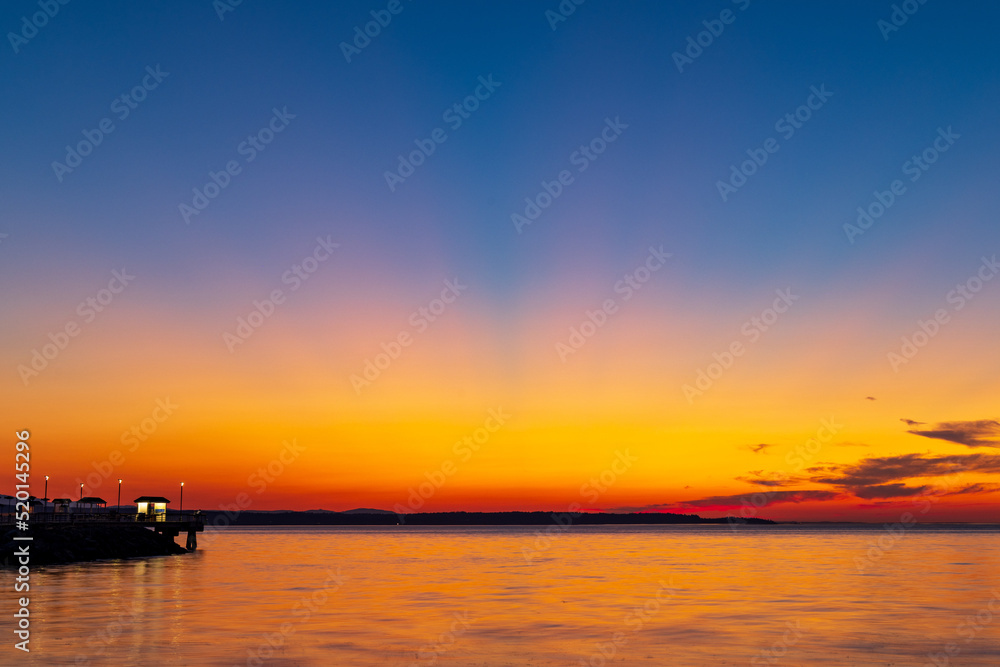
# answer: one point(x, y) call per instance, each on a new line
point(353, 119)
point(345, 124)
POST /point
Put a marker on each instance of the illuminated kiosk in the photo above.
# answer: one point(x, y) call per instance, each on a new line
point(151, 508)
point(152, 511)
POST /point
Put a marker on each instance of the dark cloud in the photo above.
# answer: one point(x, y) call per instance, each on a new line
point(978, 433)
point(876, 479)
point(773, 497)
point(870, 398)
point(736, 501)
point(910, 422)
point(884, 476)
point(968, 489)
point(757, 477)
point(888, 491)
point(885, 469)
point(973, 488)
point(758, 448)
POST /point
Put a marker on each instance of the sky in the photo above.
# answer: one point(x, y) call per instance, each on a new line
point(730, 258)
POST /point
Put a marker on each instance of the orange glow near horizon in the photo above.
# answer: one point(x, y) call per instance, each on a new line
point(217, 420)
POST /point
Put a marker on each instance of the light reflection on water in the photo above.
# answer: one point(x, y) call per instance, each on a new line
point(656, 595)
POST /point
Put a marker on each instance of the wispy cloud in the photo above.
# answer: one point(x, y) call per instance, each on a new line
point(888, 491)
point(885, 469)
point(968, 489)
point(759, 448)
point(973, 488)
point(978, 433)
point(757, 477)
point(885, 476)
point(738, 501)
point(877, 479)
point(773, 497)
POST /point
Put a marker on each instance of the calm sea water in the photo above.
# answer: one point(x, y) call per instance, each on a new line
point(625, 595)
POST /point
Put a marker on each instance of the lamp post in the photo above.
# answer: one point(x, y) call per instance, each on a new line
point(118, 507)
point(81, 490)
point(46, 498)
point(182, 498)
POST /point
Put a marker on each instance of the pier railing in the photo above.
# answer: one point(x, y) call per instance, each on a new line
point(111, 516)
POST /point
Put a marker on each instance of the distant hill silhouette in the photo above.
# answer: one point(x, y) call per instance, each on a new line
point(368, 517)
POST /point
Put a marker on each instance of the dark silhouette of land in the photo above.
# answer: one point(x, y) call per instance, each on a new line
point(369, 517)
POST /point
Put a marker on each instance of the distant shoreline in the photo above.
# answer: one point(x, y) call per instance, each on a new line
point(386, 518)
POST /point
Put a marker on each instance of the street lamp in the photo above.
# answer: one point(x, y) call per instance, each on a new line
point(118, 507)
point(182, 498)
point(81, 490)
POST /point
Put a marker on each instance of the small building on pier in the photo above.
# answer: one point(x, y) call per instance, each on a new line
point(93, 504)
point(151, 508)
point(61, 505)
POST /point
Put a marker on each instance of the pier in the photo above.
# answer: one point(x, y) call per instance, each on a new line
point(170, 524)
